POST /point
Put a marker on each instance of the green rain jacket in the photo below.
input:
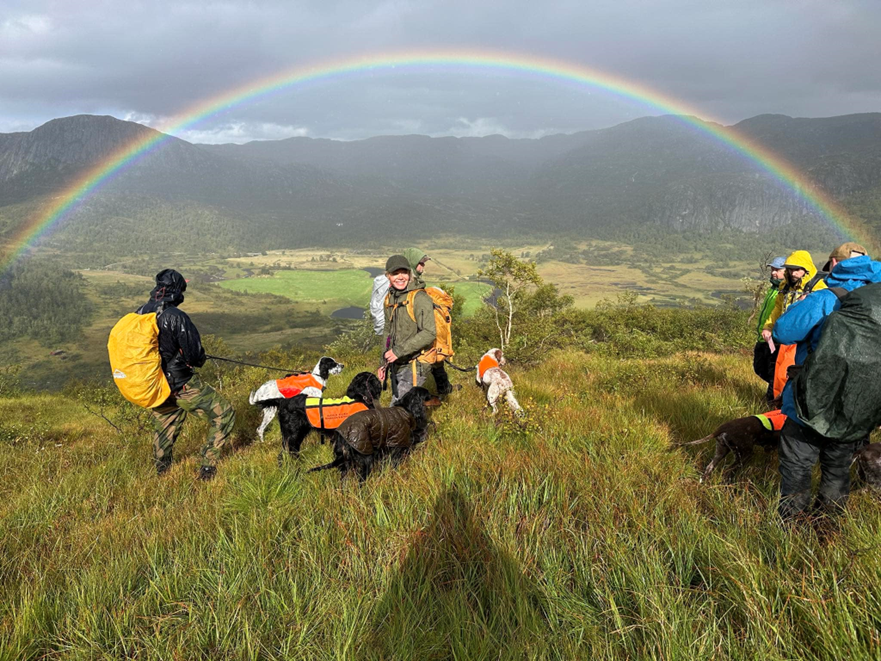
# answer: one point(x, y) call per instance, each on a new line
point(414, 256)
point(767, 308)
point(407, 338)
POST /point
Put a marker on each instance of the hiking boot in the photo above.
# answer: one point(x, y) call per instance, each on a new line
point(207, 473)
point(162, 465)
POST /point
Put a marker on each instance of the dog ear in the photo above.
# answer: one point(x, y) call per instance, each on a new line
point(328, 366)
point(374, 387)
point(416, 407)
point(356, 386)
point(499, 357)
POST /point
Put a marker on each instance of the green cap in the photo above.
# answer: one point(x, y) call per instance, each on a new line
point(396, 263)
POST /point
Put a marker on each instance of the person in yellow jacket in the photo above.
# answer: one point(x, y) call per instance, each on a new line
point(802, 277)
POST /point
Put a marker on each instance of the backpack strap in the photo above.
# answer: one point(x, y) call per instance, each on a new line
point(840, 292)
point(411, 297)
point(813, 282)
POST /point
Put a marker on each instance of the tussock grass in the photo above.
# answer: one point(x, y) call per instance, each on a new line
point(576, 533)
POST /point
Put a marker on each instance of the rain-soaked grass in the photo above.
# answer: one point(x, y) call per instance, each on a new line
point(576, 533)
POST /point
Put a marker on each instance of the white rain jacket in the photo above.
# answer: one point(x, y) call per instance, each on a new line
point(377, 302)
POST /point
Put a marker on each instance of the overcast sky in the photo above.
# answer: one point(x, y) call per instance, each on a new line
point(148, 61)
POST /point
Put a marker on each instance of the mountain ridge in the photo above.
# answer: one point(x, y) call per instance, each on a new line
point(653, 172)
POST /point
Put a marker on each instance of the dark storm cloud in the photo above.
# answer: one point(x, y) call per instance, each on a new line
point(728, 59)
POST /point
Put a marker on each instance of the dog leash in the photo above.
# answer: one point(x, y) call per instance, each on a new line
point(266, 367)
point(456, 367)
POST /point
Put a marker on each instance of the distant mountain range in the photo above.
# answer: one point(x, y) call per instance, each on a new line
point(651, 172)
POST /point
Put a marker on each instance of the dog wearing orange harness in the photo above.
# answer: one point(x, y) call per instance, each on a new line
point(272, 394)
point(301, 414)
point(740, 436)
point(496, 381)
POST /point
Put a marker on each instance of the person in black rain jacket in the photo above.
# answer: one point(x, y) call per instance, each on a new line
point(180, 347)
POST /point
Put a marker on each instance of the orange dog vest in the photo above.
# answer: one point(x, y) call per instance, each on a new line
point(486, 363)
point(331, 413)
point(293, 385)
point(772, 420)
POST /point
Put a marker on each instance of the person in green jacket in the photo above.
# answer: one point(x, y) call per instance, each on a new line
point(405, 338)
point(764, 359)
point(418, 259)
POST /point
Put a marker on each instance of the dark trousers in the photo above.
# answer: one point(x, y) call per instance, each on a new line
point(441, 380)
point(764, 362)
point(800, 448)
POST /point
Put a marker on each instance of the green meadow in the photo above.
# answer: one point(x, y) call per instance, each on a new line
point(345, 287)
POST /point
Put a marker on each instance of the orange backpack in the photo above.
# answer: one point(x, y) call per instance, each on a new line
point(442, 347)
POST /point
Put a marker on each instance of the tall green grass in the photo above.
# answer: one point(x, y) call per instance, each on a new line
point(577, 533)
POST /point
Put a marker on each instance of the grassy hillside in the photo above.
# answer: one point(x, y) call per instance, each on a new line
point(577, 534)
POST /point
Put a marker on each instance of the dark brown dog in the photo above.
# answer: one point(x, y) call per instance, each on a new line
point(868, 461)
point(739, 436)
point(368, 437)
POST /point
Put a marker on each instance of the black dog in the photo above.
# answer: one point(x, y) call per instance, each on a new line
point(296, 420)
point(740, 436)
point(390, 433)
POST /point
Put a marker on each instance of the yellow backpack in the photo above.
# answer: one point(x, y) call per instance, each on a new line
point(133, 346)
point(442, 347)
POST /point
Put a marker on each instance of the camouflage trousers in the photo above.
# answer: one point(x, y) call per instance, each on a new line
point(205, 402)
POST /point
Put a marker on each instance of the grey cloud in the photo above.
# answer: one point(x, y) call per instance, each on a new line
point(727, 59)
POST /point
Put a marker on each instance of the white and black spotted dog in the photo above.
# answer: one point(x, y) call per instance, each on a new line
point(496, 381)
point(272, 393)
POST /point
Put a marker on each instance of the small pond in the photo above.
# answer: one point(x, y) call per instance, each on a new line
point(351, 312)
point(373, 271)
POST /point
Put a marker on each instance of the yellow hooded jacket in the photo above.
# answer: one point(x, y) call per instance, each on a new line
point(789, 294)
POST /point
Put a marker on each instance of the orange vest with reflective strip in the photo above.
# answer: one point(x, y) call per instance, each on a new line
point(486, 363)
point(293, 385)
point(331, 413)
point(776, 420)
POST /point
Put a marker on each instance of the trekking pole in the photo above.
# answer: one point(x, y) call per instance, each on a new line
point(266, 367)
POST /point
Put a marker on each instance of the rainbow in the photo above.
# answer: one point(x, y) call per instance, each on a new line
point(463, 59)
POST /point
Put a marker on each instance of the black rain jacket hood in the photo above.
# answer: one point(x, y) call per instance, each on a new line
point(180, 344)
point(170, 288)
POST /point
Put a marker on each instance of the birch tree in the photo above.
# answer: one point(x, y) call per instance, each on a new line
point(511, 277)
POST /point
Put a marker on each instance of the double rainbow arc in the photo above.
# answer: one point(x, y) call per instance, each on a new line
point(458, 59)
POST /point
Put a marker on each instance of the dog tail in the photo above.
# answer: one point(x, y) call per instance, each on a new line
point(705, 439)
point(333, 464)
